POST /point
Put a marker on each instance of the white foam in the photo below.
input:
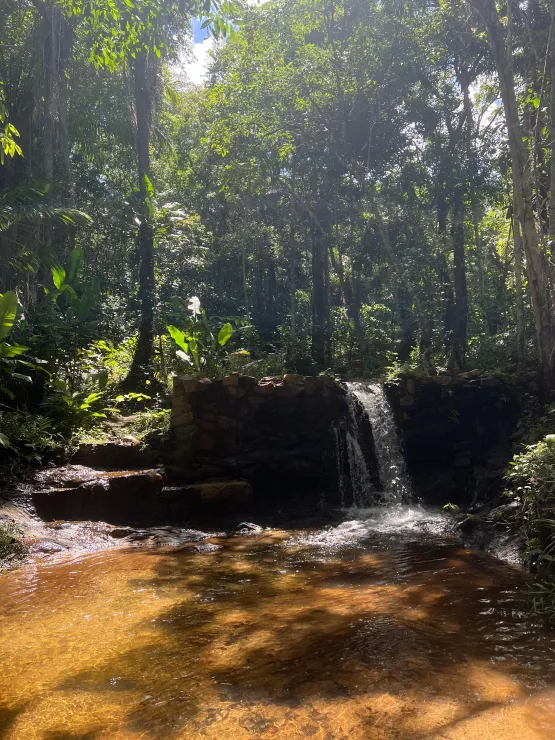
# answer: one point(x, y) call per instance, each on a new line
point(362, 523)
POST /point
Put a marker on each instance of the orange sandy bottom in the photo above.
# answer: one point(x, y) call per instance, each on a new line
point(263, 639)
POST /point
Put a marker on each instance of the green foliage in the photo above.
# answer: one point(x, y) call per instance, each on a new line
point(73, 409)
point(491, 353)
point(11, 545)
point(10, 360)
point(531, 482)
point(74, 298)
point(199, 346)
point(8, 134)
point(27, 438)
point(307, 189)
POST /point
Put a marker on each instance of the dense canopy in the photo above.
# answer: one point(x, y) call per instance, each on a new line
point(358, 186)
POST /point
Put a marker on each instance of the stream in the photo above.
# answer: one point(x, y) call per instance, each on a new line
point(380, 626)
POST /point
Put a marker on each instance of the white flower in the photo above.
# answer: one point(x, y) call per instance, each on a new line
point(194, 306)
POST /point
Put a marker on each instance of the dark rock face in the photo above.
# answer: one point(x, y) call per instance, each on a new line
point(134, 497)
point(78, 493)
point(275, 433)
point(208, 499)
point(457, 434)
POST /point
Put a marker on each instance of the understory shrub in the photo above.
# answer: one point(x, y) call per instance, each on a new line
point(11, 545)
point(531, 482)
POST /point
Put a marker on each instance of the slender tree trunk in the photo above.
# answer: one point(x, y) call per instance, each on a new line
point(538, 269)
point(446, 294)
point(66, 44)
point(319, 299)
point(552, 137)
point(293, 261)
point(519, 302)
point(272, 292)
point(142, 367)
point(464, 81)
point(458, 346)
point(293, 276)
point(50, 90)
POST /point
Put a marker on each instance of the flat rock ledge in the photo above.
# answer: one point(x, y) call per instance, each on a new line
point(132, 497)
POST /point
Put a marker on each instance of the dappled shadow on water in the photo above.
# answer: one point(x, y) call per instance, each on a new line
point(403, 642)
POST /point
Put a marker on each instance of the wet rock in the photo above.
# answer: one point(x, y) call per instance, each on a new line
point(120, 532)
point(231, 380)
point(46, 547)
point(274, 432)
point(457, 435)
point(248, 528)
point(122, 454)
point(236, 495)
point(207, 547)
point(503, 512)
point(78, 493)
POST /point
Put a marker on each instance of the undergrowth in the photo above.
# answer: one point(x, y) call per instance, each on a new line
point(11, 546)
point(531, 481)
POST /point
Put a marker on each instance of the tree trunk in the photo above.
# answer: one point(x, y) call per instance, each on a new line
point(538, 269)
point(293, 277)
point(319, 299)
point(458, 345)
point(519, 302)
point(142, 367)
point(293, 261)
point(552, 137)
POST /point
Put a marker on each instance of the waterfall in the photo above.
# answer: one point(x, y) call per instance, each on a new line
point(363, 490)
point(391, 464)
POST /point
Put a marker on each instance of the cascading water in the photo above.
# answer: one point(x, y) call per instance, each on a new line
point(391, 464)
point(392, 510)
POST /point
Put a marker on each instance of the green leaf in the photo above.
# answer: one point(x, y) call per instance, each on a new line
point(193, 346)
point(149, 187)
point(76, 262)
point(8, 392)
point(4, 441)
point(224, 334)
point(178, 337)
point(12, 350)
point(8, 311)
point(24, 378)
point(58, 275)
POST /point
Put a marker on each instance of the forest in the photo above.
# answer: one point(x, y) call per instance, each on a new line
point(357, 187)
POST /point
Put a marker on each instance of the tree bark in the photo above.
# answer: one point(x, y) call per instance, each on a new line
point(551, 246)
point(519, 302)
point(319, 299)
point(142, 367)
point(458, 345)
point(538, 269)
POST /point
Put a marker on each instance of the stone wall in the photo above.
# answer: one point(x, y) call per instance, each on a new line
point(275, 432)
point(458, 433)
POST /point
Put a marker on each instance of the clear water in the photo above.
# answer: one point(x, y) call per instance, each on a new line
point(376, 628)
